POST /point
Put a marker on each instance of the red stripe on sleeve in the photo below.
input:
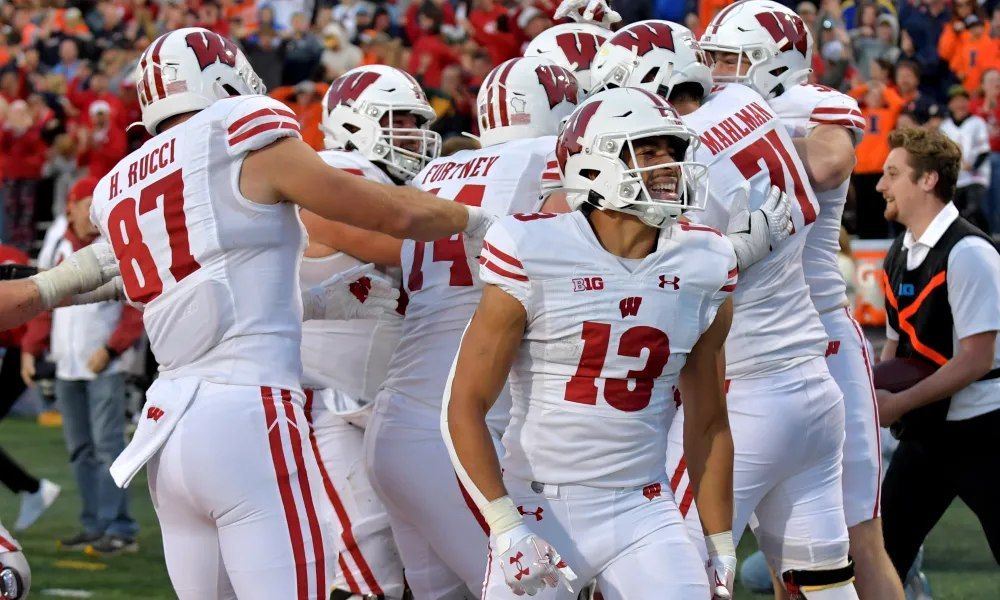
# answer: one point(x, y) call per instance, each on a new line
point(260, 113)
point(503, 255)
point(261, 129)
point(499, 271)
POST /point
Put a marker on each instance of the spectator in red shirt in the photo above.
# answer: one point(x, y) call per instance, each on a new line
point(97, 88)
point(988, 107)
point(413, 28)
point(22, 145)
point(430, 53)
point(102, 144)
point(489, 25)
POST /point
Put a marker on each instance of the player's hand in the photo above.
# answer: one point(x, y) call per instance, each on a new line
point(99, 360)
point(721, 574)
point(112, 290)
point(28, 368)
point(85, 270)
point(529, 563)
point(597, 12)
point(475, 230)
point(777, 212)
point(358, 293)
point(721, 564)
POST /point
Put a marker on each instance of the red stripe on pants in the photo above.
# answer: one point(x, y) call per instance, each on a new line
point(345, 520)
point(300, 466)
point(285, 490)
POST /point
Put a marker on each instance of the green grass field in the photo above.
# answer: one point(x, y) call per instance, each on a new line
point(958, 562)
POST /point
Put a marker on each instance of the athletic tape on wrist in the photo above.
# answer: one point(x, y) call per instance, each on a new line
point(720, 544)
point(501, 515)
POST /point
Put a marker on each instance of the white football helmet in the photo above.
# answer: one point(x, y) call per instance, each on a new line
point(572, 46)
point(602, 130)
point(358, 112)
point(525, 98)
point(188, 70)
point(652, 55)
point(772, 37)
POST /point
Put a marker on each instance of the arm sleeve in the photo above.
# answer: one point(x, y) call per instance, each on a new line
point(36, 337)
point(974, 287)
point(128, 330)
point(257, 122)
point(839, 109)
point(500, 265)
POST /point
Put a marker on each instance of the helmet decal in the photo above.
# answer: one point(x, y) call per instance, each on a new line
point(560, 85)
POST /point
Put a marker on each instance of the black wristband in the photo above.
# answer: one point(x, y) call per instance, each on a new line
point(112, 353)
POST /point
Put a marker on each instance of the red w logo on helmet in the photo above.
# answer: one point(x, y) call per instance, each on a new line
point(644, 37)
point(569, 140)
point(346, 89)
point(559, 84)
point(579, 48)
point(787, 30)
point(211, 48)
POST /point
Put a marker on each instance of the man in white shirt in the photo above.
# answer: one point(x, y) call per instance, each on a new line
point(942, 285)
point(972, 135)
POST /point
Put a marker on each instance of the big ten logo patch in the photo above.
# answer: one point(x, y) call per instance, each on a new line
point(588, 284)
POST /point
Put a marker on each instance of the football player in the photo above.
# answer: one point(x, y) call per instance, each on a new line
point(775, 351)
point(599, 316)
point(438, 530)
point(750, 43)
point(376, 123)
point(204, 225)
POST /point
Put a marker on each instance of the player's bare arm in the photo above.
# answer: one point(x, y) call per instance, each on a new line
point(707, 440)
point(828, 155)
point(484, 360)
point(333, 236)
point(973, 359)
point(290, 170)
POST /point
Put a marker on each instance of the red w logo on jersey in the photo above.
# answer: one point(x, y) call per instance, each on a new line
point(644, 37)
point(579, 48)
point(630, 306)
point(211, 48)
point(787, 30)
point(346, 89)
point(569, 140)
point(559, 84)
point(154, 413)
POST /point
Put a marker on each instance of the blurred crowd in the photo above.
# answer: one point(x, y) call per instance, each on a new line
point(67, 85)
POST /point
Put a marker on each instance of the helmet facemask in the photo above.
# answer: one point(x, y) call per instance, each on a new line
point(656, 193)
point(405, 151)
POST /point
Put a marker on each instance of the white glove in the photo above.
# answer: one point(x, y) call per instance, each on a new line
point(528, 562)
point(597, 12)
point(721, 565)
point(85, 270)
point(475, 230)
point(358, 293)
point(112, 290)
point(763, 229)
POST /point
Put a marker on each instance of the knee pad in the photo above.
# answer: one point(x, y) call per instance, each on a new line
point(802, 583)
point(15, 576)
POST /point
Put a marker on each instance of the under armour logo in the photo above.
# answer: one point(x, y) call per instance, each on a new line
point(537, 512)
point(651, 491)
point(154, 413)
point(676, 282)
point(360, 289)
point(833, 347)
point(516, 561)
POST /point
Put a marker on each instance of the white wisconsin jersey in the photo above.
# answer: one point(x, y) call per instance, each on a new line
point(594, 380)
point(443, 289)
point(746, 148)
point(349, 356)
point(215, 274)
point(802, 108)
